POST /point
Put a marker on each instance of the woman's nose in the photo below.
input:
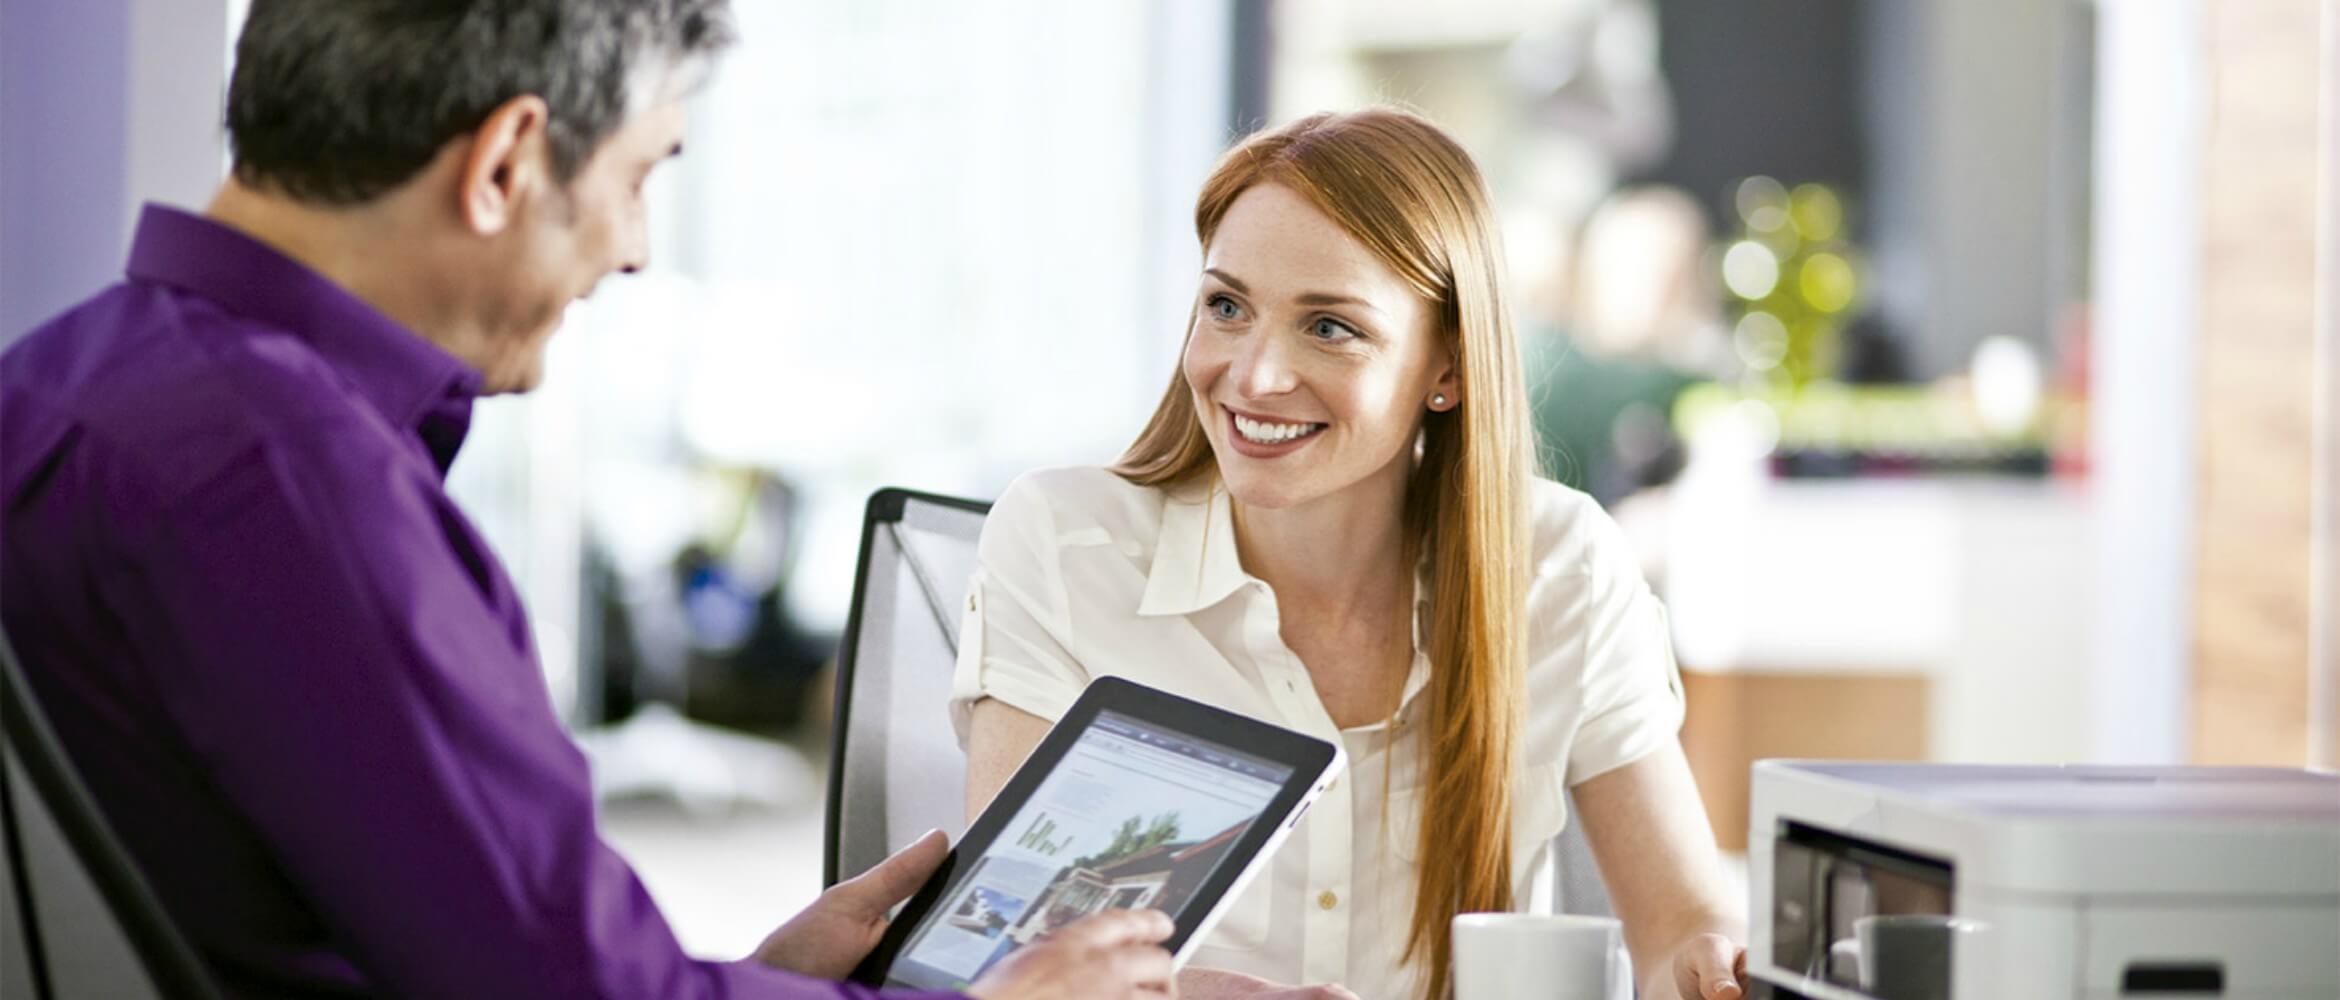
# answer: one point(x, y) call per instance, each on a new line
point(1260, 368)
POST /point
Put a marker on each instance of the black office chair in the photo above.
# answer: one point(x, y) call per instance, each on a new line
point(895, 767)
point(78, 920)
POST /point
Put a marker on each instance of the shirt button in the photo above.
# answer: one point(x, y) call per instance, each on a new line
point(1326, 900)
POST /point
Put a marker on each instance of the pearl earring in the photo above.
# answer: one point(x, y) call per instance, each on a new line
point(1438, 399)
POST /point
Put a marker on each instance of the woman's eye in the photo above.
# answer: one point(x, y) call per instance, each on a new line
point(1332, 331)
point(1224, 307)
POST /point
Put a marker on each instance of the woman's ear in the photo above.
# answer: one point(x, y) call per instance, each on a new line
point(507, 162)
point(1446, 382)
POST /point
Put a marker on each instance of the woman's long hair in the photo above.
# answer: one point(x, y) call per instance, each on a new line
point(1412, 196)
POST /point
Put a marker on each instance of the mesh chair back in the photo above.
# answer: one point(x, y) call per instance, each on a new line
point(895, 770)
point(78, 920)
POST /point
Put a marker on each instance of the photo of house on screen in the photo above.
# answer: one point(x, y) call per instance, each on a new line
point(1155, 870)
point(985, 911)
point(1124, 823)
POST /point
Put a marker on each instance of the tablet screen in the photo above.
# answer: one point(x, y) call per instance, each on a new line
point(1136, 815)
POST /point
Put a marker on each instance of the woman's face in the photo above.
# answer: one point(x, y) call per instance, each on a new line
point(1310, 360)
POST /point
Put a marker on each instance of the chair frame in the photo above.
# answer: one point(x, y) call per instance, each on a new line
point(886, 506)
point(172, 965)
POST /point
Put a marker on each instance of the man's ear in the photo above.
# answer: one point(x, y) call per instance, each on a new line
point(508, 162)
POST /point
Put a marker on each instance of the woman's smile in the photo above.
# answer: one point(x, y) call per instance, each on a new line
point(1256, 436)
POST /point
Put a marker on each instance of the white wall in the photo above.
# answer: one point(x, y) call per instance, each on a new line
point(176, 150)
point(104, 105)
point(2142, 403)
point(904, 246)
point(63, 103)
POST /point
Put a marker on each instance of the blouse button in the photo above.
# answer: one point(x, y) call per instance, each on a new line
point(1326, 900)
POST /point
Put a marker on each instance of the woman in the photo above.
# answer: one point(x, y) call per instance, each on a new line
point(1332, 523)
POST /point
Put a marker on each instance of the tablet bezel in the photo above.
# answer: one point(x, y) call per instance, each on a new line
point(1314, 764)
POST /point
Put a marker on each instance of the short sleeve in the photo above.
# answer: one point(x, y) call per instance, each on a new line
point(1015, 637)
point(1628, 688)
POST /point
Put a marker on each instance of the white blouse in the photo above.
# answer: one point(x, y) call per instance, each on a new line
point(1084, 574)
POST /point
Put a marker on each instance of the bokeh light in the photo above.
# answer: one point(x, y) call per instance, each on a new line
point(1761, 340)
point(1750, 270)
point(1762, 204)
point(1826, 281)
point(1794, 278)
point(1817, 215)
point(2006, 375)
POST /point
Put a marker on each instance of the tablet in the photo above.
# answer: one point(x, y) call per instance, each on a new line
point(1138, 798)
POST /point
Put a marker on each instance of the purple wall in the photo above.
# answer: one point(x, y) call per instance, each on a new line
point(64, 162)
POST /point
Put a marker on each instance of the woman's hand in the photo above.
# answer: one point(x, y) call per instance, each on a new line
point(1710, 967)
point(1214, 984)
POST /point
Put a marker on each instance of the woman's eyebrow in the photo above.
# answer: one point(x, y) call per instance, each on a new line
point(1329, 299)
point(1228, 280)
point(1304, 298)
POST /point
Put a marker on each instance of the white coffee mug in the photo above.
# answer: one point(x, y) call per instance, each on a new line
point(1518, 956)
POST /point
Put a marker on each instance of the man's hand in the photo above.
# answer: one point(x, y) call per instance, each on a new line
point(1110, 956)
point(1710, 967)
point(833, 934)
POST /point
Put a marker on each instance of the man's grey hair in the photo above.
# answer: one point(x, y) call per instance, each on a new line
point(339, 101)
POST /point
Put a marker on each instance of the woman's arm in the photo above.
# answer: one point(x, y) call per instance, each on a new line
point(1649, 833)
point(999, 737)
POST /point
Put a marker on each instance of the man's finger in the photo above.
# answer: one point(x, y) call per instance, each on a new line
point(894, 879)
point(1114, 928)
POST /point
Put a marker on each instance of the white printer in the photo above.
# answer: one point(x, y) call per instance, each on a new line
point(1964, 882)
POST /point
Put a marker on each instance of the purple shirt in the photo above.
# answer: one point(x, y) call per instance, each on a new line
point(294, 676)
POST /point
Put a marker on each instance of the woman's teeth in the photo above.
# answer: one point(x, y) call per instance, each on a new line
point(1262, 432)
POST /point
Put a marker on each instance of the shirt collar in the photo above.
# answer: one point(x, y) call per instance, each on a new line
point(1195, 561)
point(412, 382)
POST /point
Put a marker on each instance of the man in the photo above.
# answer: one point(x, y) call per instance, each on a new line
point(297, 680)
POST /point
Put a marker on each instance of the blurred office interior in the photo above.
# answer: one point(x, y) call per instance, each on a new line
point(1967, 374)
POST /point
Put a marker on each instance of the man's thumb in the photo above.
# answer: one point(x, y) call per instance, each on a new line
point(894, 879)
